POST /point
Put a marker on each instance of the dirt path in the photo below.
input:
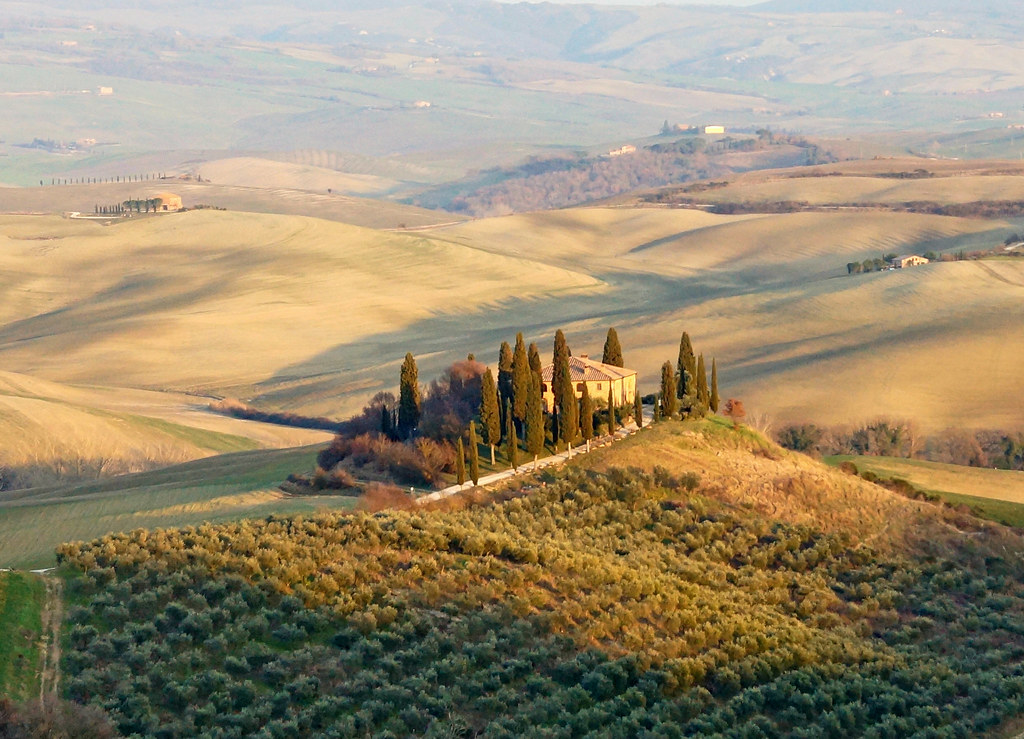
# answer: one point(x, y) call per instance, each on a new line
point(49, 652)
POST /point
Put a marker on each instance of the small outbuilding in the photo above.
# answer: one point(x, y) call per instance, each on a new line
point(597, 376)
point(909, 260)
point(168, 202)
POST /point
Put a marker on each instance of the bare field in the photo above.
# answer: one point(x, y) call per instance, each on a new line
point(55, 431)
point(222, 302)
point(260, 197)
point(314, 317)
point(795, 337)
point(265, 173)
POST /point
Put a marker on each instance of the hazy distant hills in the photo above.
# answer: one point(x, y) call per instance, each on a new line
point(468, 85)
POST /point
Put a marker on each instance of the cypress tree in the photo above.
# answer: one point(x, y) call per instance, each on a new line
point(612, 350)
point(534, 419)
point(611, 410)
point(520, 380)
point(561, 385)
point(668, 391)
point(586, 416)
point(504, 379)
point(703, 397)
point(713, 400)
point(490, 416)
point(408, 397)
point(474, 455)
point(686, 367)
point(535, 362)
point(511, 442)
point(385, 421)
point(460, 462)
point(638, 411)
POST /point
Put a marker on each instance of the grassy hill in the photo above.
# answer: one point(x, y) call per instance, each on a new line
point(595, 599)
point(271, 189)
point(227, 487)
point(248, 305)
point(995, 494)
point(769, 296)
point(232, 302)
point(63, 433)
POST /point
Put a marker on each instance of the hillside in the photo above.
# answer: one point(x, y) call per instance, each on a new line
point(769, 296)
point(227, 487)
point(240, 303)
point(624, 602)
point(62, 433)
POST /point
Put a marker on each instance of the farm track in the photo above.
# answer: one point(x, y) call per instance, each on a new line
point(49, 651)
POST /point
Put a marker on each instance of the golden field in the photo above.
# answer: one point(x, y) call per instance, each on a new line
point(314, 316)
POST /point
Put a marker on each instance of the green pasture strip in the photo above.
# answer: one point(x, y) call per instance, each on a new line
point(21, 602)
point(33, 522)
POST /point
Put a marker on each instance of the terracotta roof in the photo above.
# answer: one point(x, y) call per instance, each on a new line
point(587, 370)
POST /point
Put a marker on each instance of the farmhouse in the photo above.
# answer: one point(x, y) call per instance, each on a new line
point(597, 377)
point(622, 150)
point(714, 129)
point(168, 201)
point(910, 260)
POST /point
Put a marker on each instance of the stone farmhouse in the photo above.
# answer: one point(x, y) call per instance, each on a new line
point(168, 201)
point(910, 260)
point(598, 378)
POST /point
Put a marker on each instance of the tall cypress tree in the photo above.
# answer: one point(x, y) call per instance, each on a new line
point(611, 410)
point(668, 391)
point(534, 356)
point(612, 350)
point(638, 411)
point(490, 416)
point(535, 430)
point(586, 416)
point(408, 397)
point(713, 400)
point(504, 379)
point(703, 396)
point(520, 380)
point(511, 440)
point(474, 455)
point(460, 462)
point(686, 367)
point(565, 396)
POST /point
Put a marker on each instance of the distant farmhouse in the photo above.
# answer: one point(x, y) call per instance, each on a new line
point(714, 129)
point(168, 202)
point(626, 149)
point(597, 377)
point(910, 260)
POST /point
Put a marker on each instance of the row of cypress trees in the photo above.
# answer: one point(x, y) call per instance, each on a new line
point(685, 390)
point(512, 406)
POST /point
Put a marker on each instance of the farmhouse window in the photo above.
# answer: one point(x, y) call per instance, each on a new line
point(599, 386)
point(579, 387)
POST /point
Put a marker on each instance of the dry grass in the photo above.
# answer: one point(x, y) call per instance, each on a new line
point(743, 469)
point(60, 432)
point(265, 173)
point(977, 482)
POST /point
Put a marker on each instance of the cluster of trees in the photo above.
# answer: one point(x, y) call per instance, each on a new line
point(558, 182)
point(94, 180)
point(685, 390)
point(889, 438)
point(468, 407)
point(615, 603)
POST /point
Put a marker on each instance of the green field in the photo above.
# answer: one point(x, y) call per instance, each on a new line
point(997, 495)
point(228, 487)
point(21, 602)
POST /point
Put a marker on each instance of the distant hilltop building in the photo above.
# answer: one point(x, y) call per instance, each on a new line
point(625, 149)
point(598, 378)
point(714, 129)
point(168, 201)
point(910, 260)
point(104, 91)
point(421, 104)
